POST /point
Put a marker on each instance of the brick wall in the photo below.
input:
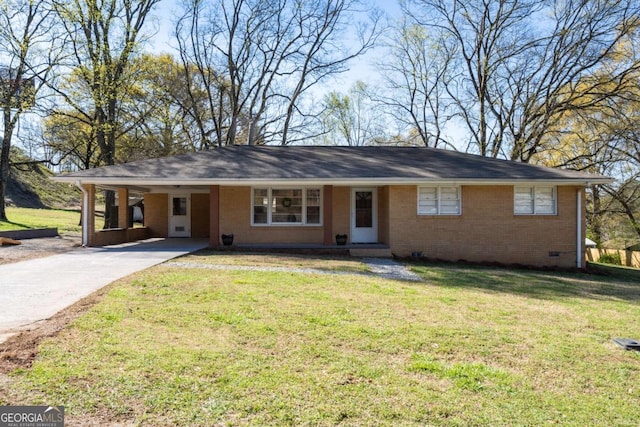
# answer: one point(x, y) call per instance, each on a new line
point(156, 214)
point(200, 215)
point(341, 211)
point(487, 230)
point(383, 214)
point(116, 236)
point(235, 218)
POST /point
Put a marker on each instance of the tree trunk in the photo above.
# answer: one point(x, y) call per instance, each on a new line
point(110, 217)
point(4, 161)
point(110, 220)
point(631, 215)
point(110, 210)
point(3, 213)
point(4, 176)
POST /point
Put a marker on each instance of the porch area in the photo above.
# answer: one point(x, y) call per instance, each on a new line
point(321, 214)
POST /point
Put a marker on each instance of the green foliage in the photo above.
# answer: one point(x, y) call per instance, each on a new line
point(153, 114)
point(69, 134)
point(611, 258)
point(352, 118)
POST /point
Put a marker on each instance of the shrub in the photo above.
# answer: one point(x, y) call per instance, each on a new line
point(611, 259)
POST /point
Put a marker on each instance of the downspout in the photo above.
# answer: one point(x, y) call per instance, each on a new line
point(85, 220)
point(579, 229)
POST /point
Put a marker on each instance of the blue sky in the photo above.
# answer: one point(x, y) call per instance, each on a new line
point(360, 68)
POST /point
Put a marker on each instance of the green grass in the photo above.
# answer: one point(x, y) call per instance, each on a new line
point(468, 347)
point(630, 273)
point(327, 262)
point(66, 221)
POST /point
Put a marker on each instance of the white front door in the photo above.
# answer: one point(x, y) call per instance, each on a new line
point(179, 215)
point(364, 215)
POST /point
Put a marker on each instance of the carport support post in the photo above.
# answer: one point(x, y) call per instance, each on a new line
point(123, 208)
point(214, 216)
point(327, 213)
point(89, 213)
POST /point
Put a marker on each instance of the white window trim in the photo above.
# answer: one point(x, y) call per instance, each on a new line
point(438, 200)
point(269, 222)
point(535, 206)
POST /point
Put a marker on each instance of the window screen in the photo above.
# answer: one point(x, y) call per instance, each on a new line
point(534, 200)
point(439, 200)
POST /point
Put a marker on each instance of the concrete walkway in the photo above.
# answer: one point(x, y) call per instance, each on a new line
point(34, 290)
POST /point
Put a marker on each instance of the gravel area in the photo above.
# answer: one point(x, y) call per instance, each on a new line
point(38, 248)
point(390, 269)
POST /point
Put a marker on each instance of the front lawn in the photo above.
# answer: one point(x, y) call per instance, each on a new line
point(469, 346)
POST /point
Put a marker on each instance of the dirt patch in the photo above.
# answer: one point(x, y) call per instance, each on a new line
point(38, 248)
point(21, 349)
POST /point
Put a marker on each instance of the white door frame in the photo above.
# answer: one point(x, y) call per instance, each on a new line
point(179, 225)
point(364, 234)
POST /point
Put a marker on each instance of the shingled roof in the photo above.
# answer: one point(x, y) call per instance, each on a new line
point(324, 164)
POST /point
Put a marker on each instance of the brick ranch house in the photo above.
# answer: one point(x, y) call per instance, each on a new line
point(444, 204)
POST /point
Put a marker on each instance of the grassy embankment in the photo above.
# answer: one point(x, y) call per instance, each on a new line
point(67, 221)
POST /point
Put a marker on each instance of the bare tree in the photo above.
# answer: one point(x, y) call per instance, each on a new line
point(104, 35)
point(516, 64)
point(259, 59)
point(28, 50)
point(616, 152)
point(414, 72)
point(601, 135)
point(209, 96)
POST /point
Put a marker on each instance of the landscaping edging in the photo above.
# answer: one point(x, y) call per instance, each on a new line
point(34, 233)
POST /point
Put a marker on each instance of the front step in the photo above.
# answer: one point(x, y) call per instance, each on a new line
point(370, 252)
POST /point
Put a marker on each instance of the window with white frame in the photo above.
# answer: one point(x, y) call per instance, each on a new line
point(282, 206)
point(439, 200)
point(535, 200)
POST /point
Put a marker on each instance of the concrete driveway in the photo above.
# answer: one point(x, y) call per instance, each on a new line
point(35, 290)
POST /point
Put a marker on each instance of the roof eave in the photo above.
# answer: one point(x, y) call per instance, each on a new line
point(151, 182)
